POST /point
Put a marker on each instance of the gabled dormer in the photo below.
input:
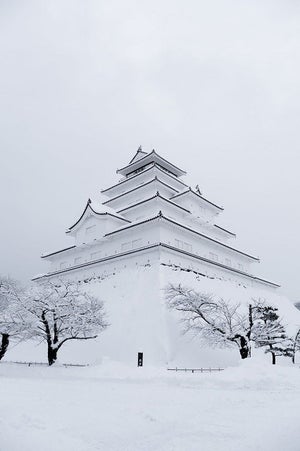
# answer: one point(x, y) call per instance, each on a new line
point(197, 204)
point(95, 221)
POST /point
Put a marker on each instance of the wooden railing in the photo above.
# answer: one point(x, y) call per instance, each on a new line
point(196, 370)
point(44, 364)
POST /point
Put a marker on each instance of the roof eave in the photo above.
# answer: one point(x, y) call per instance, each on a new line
point(190, 191)
point(133, 166)
point(103, 214)
point(58, 252)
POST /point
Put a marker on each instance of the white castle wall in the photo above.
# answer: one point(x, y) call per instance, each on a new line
point(130, 276)
point(147, 234)
point(132, 289)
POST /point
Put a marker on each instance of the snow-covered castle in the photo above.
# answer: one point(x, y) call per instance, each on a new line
point(151, 229)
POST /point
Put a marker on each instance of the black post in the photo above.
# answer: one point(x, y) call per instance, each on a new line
point(140, 359)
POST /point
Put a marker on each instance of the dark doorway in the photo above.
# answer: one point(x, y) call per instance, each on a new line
point(140, 358)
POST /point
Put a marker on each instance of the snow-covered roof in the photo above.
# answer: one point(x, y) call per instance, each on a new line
point(170, 220)
point(155, 179)
point(148, 159)
point(156, 196)
point(97, 208)
point(138, 155)
point(166, 246)
point(192, 192)
point(139, 174)
point(224, 230)
point(48, 254)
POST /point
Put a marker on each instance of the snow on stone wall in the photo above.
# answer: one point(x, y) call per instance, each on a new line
point(133, 293)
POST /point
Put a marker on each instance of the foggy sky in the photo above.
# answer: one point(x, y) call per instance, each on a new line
point(213, 86)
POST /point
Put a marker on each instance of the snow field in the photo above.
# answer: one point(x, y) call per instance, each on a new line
point(116, 408)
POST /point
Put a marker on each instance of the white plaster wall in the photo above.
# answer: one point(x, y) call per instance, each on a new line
point(203, 247)
point(170, 257)
point(151, 209)
point(143, 177)
point(197, 206)
point(150, 233)
point(140, 194)
point(95, 227)
point(126, 240)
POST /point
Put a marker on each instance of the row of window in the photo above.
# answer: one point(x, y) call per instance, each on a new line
point(228, 262)
point(183, 245)
point(130, 245)
point(212, 256)
point(98, 254)
point(133, 244)
point(79, 260)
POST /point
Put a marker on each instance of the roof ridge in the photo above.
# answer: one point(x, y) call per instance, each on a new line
point(140, 150)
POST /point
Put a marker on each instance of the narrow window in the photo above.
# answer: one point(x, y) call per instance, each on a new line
point(136, 243)
point(126, 246)
point(213, 256)
point(179, 244)
point(187, 247)
point(95, 255)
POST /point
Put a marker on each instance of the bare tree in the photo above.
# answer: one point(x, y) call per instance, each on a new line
point(11, 314)
point(218, 322)
point(61, 311)
point(223, 323)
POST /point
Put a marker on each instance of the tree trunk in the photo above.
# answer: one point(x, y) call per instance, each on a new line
point(244, 353)
point(4, 345)
point(273, 355)
point(244, 348)
point(52, 355)
point(293, 358)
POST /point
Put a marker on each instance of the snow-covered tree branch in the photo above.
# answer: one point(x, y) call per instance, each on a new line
point(218, 322)
point(11, 313)
point(222, 323)
point(271, 334)
point(295, 345)
point(61, 311)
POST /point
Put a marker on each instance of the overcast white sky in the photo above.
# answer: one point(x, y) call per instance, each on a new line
point(212, 85)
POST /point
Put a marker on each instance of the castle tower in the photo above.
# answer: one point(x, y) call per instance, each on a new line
point(151, 228)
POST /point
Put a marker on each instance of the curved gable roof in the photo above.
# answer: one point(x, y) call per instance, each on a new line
point(102, 211)
point(138, 155)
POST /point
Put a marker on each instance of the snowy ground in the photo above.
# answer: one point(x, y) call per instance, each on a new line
point(112, 408)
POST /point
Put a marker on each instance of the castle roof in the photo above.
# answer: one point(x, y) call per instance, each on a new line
point(190, 192)
point(156, 196)
point(153, 165)
point(139, 154)
point(99, 210)
point(152, 157)
point(153, 246)
point(155, 179)
point(178, 224)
